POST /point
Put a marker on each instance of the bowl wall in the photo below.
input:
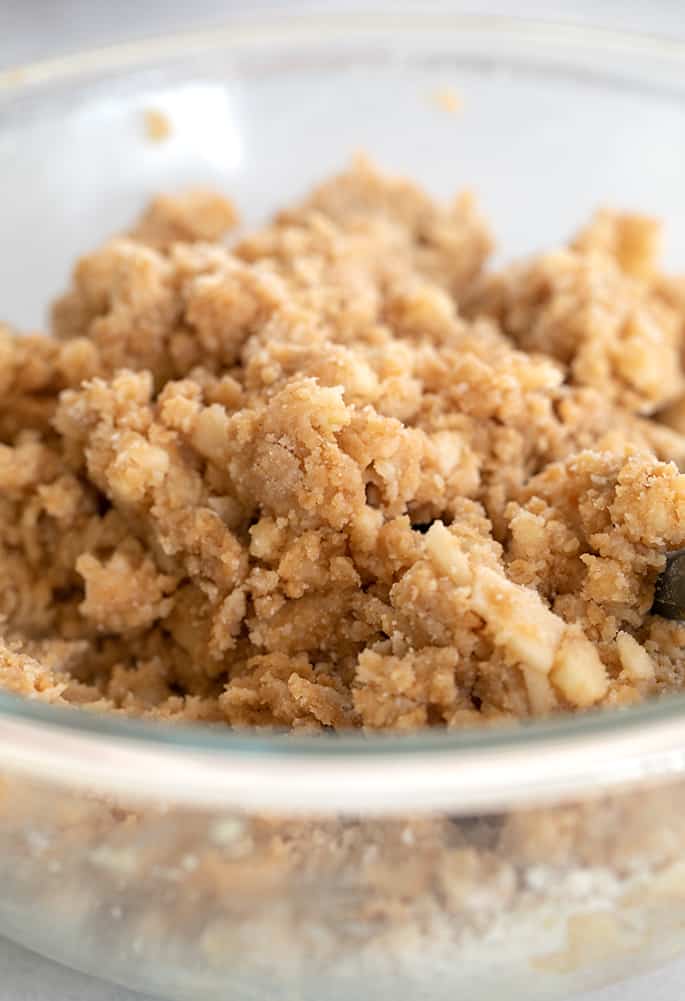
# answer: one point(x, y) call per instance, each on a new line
point(216, 903)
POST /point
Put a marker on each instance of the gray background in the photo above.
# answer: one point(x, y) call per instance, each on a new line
point(34, 29)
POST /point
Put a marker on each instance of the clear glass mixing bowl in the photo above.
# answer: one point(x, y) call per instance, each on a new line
point(538, 860)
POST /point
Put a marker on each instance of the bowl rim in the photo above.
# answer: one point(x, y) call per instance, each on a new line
point(469, 770)
point(270, 25)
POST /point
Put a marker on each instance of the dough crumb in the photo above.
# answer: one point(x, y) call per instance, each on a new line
point(447, 99)
point(157, 125)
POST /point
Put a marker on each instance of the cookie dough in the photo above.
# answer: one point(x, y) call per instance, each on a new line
point(336, 473)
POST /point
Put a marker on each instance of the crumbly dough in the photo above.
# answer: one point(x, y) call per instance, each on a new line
point(339, 475)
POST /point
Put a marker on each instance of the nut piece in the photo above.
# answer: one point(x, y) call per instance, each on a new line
point(541, 695)
point(635, 660)
point(578, 672)
point(446, 554)
point(517, 619)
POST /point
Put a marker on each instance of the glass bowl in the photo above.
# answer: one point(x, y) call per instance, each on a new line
point(536, 860)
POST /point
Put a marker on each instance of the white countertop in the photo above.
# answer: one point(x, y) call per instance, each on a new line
point(33, 29)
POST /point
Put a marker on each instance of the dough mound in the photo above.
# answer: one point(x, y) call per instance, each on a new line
point(339, 475)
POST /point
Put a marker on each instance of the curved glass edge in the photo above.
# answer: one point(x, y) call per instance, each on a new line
point(219, 738)
point(244, 31)
point(241, 31)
